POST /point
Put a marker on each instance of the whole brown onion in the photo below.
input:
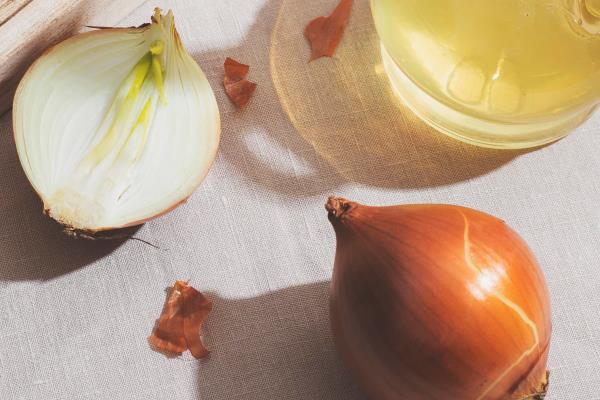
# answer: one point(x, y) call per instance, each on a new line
point(437, 302)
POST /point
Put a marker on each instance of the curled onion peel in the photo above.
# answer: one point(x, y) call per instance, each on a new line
point(115, 126)
point(438, 302)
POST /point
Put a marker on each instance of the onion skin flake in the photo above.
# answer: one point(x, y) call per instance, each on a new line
point(325, 33)
point(238, 88)
point(179, 327)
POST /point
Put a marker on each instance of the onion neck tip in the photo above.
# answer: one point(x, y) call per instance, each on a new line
point(338, 207)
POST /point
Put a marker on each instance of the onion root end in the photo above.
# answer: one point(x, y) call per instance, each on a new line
point(541, 390)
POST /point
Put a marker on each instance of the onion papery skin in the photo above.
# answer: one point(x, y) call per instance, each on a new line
point(115, 126)
point(437, 302)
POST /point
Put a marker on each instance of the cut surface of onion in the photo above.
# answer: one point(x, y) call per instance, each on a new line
point(115, 126)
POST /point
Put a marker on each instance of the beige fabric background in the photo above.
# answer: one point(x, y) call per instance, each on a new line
point(75, 315)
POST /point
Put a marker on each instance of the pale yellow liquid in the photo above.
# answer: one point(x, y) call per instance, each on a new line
point(507, 61)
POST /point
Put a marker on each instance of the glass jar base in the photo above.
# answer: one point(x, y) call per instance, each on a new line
point(474, 130)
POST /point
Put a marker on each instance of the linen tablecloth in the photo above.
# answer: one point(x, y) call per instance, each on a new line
point(75, 315)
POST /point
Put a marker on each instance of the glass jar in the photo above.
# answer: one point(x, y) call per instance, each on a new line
point(495, 73)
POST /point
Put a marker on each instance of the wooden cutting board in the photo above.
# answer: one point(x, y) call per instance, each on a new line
point(28, 27)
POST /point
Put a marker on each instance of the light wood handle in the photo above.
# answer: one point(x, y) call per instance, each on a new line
point(8, 8)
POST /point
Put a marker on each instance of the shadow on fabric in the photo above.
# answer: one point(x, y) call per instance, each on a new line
point(32, 246)
point(354, 130)
point(275, 346)
point(321, 150)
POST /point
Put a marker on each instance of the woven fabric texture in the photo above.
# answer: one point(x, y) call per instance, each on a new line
point(75, 315)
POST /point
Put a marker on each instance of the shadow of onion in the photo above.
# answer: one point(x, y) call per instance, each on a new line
point(344, 107)
point(34, 247)
point(275, 346)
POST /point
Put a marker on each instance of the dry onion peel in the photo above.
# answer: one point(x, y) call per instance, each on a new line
point(238, 88)
point(115, 126)
point(179, 327)
point(438, 302)
point(325, 33)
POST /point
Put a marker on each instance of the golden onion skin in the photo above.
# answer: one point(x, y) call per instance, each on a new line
point(437, 302)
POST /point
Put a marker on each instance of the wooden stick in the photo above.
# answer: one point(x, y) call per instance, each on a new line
point(8, 8)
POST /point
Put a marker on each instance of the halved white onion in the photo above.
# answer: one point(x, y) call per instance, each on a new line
point(115, 126)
